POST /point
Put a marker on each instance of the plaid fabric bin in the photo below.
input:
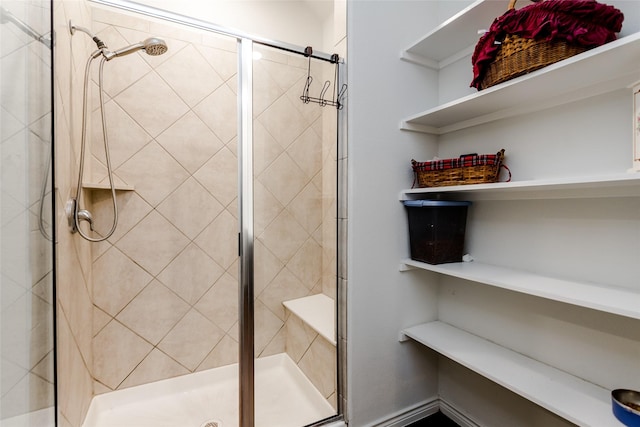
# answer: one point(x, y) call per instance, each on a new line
point(466, 169)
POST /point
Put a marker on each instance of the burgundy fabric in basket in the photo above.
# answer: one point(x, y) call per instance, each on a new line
point(583, 22)
point(462, 161)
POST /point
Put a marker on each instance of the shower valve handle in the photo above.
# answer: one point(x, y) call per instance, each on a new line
point(85, 215)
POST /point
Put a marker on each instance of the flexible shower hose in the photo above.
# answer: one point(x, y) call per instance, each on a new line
point(83, 142)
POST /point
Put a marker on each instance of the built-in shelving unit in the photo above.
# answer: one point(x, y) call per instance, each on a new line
point(620, 185)
point(612, 67)
point(571, 398)
point(554, 85)
point(602, 297)
point(458, 34)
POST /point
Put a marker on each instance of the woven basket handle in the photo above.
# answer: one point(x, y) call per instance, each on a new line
point(512, 4)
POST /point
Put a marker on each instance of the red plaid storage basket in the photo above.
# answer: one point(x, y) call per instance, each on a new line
point(466, 169)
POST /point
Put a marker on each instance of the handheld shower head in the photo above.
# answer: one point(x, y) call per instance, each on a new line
point(155, 46)
point(152, 46)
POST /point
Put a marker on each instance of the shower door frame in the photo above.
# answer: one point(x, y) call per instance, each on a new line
point(245, 242)
point(245, 178)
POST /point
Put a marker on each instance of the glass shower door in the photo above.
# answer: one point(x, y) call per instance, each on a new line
point(26, 219)
point(294, 183)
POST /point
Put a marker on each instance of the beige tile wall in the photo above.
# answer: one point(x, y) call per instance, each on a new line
point(314, 355)
point(165, 285)
point(164, 282)
point(73, 260)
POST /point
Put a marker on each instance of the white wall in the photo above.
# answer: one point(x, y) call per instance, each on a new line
point(297, 22)
point(385, 377)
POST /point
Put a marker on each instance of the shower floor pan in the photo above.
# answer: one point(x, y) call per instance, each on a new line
point(284, 398)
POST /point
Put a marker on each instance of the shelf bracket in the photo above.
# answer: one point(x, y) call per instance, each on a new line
point(412, 127)
point(405, 267)
point(402, 337)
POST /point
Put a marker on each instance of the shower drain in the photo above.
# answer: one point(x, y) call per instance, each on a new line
point(212, 423)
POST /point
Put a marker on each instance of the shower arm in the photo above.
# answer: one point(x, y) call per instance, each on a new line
point(73, 28)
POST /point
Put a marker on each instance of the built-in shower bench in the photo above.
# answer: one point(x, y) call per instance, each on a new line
point(311, 341)
point(317, 311)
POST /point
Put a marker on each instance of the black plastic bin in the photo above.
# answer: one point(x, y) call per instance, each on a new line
point(436, 230)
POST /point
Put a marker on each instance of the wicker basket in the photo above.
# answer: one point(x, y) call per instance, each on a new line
point(467, 169)
point(518, 56)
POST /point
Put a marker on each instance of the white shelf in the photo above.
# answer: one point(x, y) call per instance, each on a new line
point(457, 34)
point(609, 299)
point(618, 185)
point(610, 67)
point(569, 397)
point(317, 311)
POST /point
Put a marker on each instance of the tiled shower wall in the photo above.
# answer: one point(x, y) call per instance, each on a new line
point(314, 355)
point(165, 285)
point(73, 259)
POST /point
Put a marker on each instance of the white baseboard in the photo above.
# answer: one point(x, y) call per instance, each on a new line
point(409, 415)
point(456, 416)
point(423, 410)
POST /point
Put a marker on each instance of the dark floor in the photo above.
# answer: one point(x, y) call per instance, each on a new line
point(436, 420)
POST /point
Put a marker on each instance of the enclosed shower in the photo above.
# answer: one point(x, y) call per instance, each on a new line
point(219, 184)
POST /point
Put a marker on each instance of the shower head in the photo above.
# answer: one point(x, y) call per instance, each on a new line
point(152, 46)
point(155, 46)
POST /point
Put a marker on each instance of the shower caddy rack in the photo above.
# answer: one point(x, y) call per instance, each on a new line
point(337, 97)
point(582, 402)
